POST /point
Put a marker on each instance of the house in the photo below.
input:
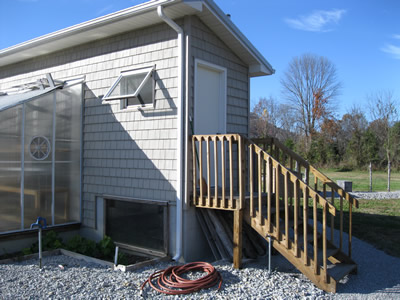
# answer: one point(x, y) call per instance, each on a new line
point(109, 105)
point(126, 124)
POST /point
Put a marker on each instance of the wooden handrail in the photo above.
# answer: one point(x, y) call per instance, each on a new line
point(278, 149)
point(289, 190)
point(302, 162)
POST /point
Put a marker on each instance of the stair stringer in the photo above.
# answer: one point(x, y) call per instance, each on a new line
point(298, 261)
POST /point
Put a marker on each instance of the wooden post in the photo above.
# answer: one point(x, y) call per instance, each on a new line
point(194, 171)
point(237, 238)
point(388, 178)
point(370, 176)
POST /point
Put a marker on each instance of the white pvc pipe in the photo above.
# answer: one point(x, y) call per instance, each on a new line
point(180, 126)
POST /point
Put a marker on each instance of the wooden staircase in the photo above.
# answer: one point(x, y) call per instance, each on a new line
point(267, 185)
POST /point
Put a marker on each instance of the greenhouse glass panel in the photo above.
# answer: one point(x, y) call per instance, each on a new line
point(67, 155)
point(38, 159)
point(10, 169)
point(40, 141)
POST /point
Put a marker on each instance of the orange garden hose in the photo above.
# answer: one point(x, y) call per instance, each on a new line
point(168, 281)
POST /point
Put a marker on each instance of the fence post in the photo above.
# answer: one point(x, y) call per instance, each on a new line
point(370, 176)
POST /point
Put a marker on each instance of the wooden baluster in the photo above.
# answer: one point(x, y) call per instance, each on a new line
point(291, 194)
point(350, 225)
point(324, 244)
point(194, 171)
point(208, 172)
point(305, 223)
point(307, 174)
point(264, 176)
point(332, 216)
point(251, 183)
point(315, 225)
point(232, 200)
point(296, 217)
point(223, 173)
point(269, 191)
point(315, 183)
point(277, 190)
point(341, 224)
point(286, 195)
point(242, 172)
point(201, 179)
point(260, 208)
point(216, 201)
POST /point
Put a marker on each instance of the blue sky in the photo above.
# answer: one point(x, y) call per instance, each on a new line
point(362, 38)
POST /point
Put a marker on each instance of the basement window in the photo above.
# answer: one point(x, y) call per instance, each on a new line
point(138, 225)
point(133, 88)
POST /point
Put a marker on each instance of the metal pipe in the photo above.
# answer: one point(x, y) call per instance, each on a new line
point(180, 126)
point(40, 247)
point(116, 256)
point(269, 254)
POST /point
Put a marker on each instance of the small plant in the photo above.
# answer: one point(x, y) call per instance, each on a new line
point(104, 249)
point(51, 241)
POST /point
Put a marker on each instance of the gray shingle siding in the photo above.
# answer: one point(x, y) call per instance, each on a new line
point(126, 152)
point(208, 47)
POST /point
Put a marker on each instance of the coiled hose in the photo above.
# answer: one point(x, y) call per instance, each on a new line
point(168, 281)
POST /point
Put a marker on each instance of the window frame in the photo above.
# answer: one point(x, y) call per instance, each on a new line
point(149, 71)
point(137, 248)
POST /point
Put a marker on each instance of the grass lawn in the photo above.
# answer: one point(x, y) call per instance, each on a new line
point(360, 179)
point(377, 222)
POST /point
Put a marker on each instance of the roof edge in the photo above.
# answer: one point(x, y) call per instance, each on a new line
point(65, 32)
point(213, 7)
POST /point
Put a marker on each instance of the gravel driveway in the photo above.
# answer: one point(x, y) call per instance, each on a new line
point(378, 278)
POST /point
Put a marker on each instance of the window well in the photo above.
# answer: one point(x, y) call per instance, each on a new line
point(133, 88)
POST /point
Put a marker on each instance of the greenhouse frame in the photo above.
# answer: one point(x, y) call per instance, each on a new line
point(40, 157)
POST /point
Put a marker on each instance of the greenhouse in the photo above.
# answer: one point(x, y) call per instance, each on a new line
point(40, 153)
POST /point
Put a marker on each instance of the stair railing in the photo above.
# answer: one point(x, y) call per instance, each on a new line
point(228, 169)
point(285, 191)
point(330, 190)
point(219, 171)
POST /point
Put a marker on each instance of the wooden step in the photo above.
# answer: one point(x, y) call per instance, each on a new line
point(338, 271)
point(329, 253)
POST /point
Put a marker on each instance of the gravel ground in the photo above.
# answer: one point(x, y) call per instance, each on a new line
point(378, 278)
point(377, 195)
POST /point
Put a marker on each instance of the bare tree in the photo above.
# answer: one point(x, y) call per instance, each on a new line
point(310, 84)
point(383, 111)
point(271, 118)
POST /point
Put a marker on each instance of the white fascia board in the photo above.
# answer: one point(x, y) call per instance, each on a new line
point(257, 70)
point(223, 19)
point(88, 25)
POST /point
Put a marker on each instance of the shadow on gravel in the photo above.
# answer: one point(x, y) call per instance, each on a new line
point(377, 272)
point(228, 278)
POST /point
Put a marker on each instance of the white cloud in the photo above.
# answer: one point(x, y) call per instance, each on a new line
point(396, 36)
point(319, 20)
point(393, 50)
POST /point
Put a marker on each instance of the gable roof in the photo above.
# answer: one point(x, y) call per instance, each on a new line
point(136, 17)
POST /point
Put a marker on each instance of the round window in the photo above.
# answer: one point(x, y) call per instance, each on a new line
point(39, 148)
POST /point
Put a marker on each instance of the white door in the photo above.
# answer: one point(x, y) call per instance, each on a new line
point(210, 107)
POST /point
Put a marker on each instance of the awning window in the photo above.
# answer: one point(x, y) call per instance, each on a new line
point(134, 88)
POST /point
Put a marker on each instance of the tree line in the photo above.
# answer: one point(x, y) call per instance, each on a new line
point(306, 120)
